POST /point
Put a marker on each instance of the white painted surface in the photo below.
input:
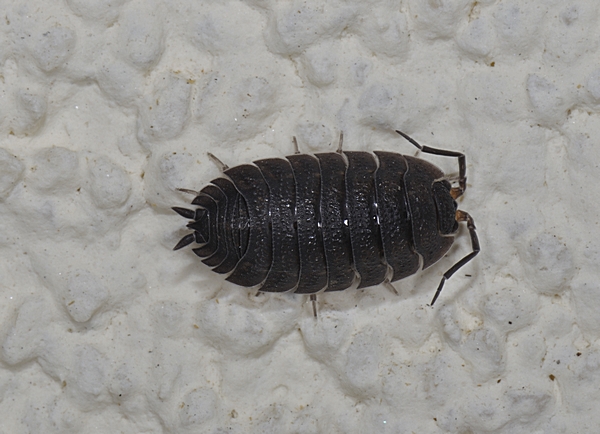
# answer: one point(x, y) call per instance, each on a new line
point(107, 107)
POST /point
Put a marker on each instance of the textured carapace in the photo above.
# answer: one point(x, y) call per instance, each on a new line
point(330, 221)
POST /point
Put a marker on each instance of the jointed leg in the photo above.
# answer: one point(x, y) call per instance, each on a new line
point(462, 162)
point(461, 216)
point(389, 286)
point(222, 166)
point(296, 148)
point(341, 142)
point(313, 298)
point(188, 191)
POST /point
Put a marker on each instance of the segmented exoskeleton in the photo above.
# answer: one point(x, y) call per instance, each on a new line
point(327, 222)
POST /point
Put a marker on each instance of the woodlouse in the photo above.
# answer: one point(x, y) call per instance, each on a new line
point(327, 222)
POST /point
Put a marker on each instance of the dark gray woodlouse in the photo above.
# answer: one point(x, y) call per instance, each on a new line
point(327, 222)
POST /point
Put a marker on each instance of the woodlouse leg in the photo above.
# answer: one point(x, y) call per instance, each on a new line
point(313, 298)
point(222, 166)
point(296, 149)
point(339, 149)
point(461, 216)
point(462, 163)
point(188, 191)
point(389, 286)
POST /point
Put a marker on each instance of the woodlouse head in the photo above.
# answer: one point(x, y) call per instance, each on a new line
point(446, 207)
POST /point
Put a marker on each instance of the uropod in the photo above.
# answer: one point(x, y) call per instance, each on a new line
point(308, 224)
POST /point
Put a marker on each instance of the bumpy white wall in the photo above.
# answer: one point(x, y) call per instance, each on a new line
point(107, 107)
